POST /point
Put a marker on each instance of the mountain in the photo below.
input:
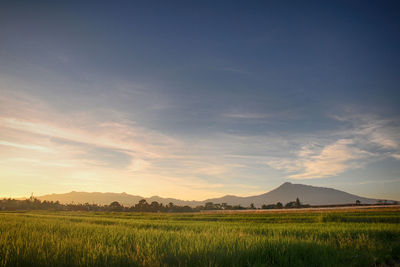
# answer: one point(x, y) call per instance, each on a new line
point(92, 198)
point(285, 193)
point(106, 198)
point(289, 192)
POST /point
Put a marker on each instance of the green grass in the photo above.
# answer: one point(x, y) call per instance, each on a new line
point(362, 238)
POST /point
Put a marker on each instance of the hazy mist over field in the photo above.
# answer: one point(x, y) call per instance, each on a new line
point(197, 100)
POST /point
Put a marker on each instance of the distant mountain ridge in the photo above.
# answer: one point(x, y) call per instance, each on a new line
point(285, 193)
point(289, 192)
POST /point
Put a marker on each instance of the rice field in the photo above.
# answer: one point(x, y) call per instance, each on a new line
point(304, 238)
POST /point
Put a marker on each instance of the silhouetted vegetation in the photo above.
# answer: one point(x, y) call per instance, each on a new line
point(143, 206)
point(289, 205)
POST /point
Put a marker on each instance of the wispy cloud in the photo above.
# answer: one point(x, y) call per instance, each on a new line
point(382, 132)
point(330, 161)
point(66, 148)
point(272, 116)
point(396, 156)
point(108, 150)
point(247, 115)
point(24, 146)
point(365, 139)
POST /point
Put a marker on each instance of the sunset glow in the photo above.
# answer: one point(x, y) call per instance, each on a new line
point(195, 104)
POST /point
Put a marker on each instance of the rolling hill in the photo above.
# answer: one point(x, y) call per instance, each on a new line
point(289, 192)
point(285, 193)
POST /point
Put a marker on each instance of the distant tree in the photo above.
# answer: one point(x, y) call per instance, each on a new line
point(155, 205)
point(238, 207)
point(279, 205)
point(358, 202)
point(268, 207)
point(209, 206)
point(142, 205)
point(291, 204)
point(298, 203)
point(143, 202)
point(252, 206)
point(87, 205)
point(114, 206)
point(35, 204)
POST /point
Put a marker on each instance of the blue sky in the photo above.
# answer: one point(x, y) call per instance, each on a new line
point(199, 99)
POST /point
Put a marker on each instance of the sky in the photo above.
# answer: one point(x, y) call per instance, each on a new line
point(199, 99)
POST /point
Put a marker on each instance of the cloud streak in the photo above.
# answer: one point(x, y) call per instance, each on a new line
point(106, 149)
point(331, 161)
point(88, 148)
point(367, 139)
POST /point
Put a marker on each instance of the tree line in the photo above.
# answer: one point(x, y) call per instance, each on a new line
point(289, 205)
point(142, 206)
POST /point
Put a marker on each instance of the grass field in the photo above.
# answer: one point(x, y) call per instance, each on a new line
point(323, 238)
